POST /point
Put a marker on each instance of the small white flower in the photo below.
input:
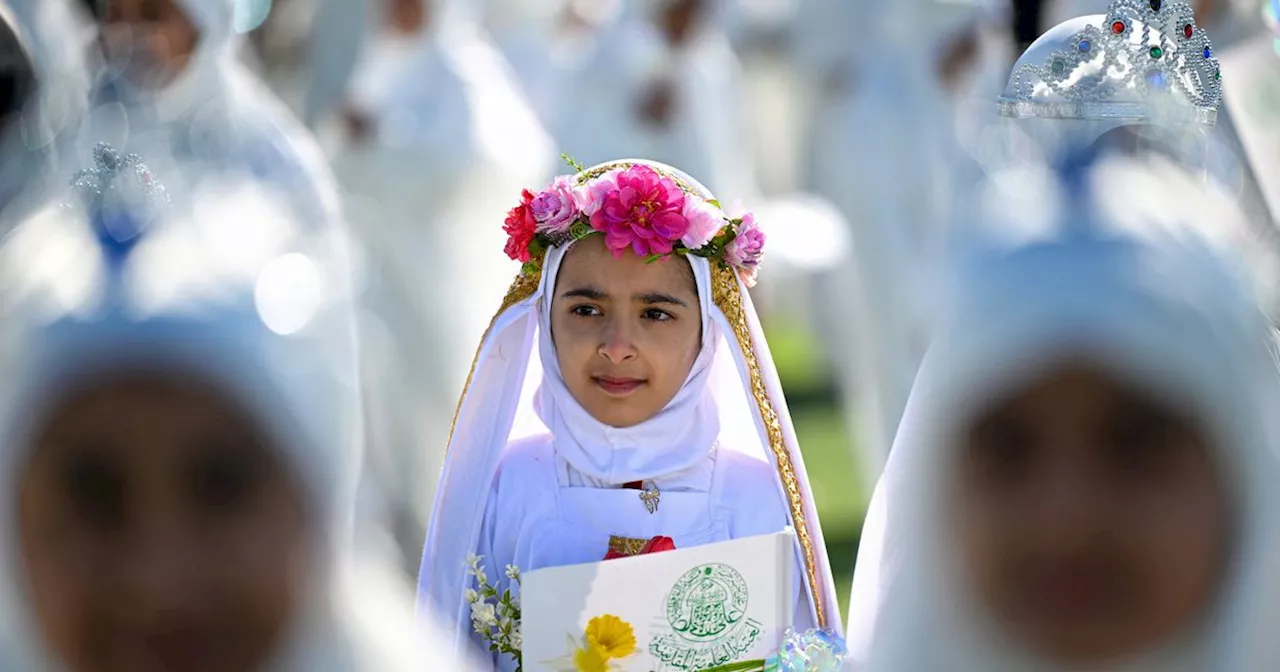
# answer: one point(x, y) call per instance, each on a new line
point(484, 614)
point(471, 596)
point(517, 640)
point(513, 572)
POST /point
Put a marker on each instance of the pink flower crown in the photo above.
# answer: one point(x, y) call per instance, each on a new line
point(635, 206)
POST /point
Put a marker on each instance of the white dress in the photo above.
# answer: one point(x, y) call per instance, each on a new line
point(544, 513)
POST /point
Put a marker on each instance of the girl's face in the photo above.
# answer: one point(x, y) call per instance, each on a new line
point(160, 532)
point(155, 36)
point(1094, 524)
point(626, 332)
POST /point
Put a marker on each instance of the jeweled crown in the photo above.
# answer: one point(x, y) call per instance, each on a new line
point(1147, 59)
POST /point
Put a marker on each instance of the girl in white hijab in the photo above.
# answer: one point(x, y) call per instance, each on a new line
point(662, 80)
point(653, 416)
point(182, 439)
point(174, 86)
point(1084, 476)
point(884, 150)
point(534, 37)
point(443, 137)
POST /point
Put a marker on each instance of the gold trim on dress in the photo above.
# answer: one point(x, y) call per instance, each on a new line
point(626, 545)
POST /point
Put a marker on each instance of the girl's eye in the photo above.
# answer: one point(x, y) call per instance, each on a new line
point(585, 311)
point(658, 315)
point(96, 488)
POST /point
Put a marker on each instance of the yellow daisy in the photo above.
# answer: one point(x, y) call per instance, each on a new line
point(612, 635)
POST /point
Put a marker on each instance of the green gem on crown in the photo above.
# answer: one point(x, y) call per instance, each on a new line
point(1156, 52)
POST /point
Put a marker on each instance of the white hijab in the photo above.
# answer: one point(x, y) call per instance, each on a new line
point(235, 293)
point(1134, 269)
point(629, 54)
point(511, 396)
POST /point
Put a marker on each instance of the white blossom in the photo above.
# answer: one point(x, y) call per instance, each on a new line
point(484, 614)
point(517, 640)
point(513, 572)
point(471, 596)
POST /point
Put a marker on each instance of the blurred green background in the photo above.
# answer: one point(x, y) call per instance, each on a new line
point(827, 441)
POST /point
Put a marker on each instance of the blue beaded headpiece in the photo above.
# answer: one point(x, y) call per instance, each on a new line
point(1147, 59)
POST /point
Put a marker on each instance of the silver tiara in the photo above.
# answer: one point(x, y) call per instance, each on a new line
point(1147, 60)
point(108, 165)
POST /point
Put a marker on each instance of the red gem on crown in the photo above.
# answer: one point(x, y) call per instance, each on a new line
point(1118, 27)
point(1188, 31)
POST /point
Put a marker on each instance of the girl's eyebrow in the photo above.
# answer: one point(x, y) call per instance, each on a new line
point(585, 293)
point(658, 298)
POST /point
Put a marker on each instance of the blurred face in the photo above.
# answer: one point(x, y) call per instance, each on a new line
point(407, 17)
point(155, 37)
point(159, 532)
point(679, 20)
point(626, 332)
point(1093, 522)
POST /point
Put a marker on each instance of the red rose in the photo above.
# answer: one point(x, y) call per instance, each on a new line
point(654, 545)
point(520, 227)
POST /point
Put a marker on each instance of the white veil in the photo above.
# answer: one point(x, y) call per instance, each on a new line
point(1137, 272)
point(497, 406)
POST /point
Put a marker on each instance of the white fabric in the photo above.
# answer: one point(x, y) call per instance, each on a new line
point(884, 149)
point(220, 294)
point(707, 131)
point(492, 444)
point(1136, 286)
point(530, 34)
point(453, 140)
point(56, 37)
point(541, 513)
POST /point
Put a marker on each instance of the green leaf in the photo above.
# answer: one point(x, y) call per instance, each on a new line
point(652, 258)
point(573, 163)
point(716, 203)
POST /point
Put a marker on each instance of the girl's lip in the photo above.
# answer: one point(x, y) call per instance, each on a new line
point(617, 387)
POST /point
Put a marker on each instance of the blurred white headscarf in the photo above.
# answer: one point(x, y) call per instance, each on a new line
point(235, 293)
point(1134, 266)
point(705, 131)
point(885, 151)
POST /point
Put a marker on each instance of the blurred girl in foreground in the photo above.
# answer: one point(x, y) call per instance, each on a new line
point(182, 439)
point(1084, 476)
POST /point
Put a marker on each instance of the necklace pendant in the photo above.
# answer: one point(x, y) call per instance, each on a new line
point(650, 497)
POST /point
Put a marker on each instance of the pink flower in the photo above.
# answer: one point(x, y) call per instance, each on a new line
point(746, 250)
point(555, 209)
point(645, 213)
point(521, 228)
point(705, 221)
point(589, 198)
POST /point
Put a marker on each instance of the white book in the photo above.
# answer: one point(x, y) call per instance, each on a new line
point(689, 609)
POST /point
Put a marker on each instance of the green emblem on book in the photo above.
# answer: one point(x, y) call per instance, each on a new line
point(707, 615)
